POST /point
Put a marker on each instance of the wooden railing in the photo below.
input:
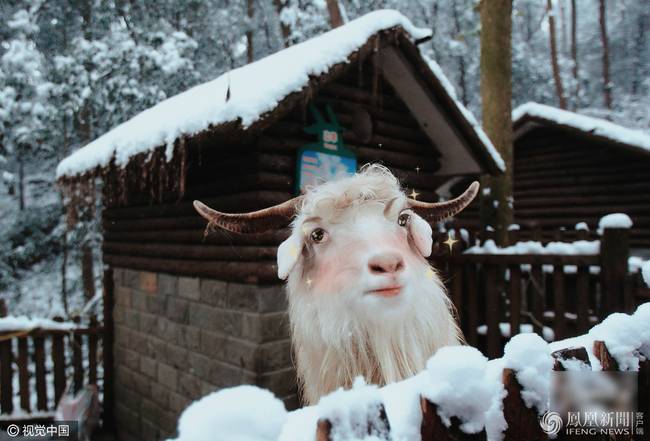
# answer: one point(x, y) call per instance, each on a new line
point(555, 295)
point(45, 362)
point(522, 421)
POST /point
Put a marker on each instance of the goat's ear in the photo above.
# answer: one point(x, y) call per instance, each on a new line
point(422, 234)
point(288, 254)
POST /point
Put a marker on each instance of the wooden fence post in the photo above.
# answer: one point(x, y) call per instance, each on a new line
point(107, 351)
point(6, 372)
point(614, 253)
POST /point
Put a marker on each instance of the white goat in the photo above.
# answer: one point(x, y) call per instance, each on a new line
point(363, 299)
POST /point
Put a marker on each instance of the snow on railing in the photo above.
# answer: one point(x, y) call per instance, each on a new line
point(460, 396)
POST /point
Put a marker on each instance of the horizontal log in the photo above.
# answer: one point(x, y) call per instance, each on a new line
point(603, 169)
point(570, 219)
point(338, 90)
point(574, 201)
point(236, 184)
point(154, 224)
point(343, 105)
point(391, 157)
point(239, 202)
point(198, 236)
point(601, 210)
point(191, 252)
point(630, 187)
point(240, 272)
point(524, 184)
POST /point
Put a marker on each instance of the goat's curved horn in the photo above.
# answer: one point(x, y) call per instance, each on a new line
point(438, 211)
point(253, 222)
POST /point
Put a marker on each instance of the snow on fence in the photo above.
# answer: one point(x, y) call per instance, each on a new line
point(460, 396)
point(40, 357)
point(558, 290)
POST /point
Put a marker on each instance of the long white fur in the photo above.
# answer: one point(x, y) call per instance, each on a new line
point(340, 333)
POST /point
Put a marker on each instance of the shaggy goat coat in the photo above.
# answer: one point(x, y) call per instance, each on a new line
point(338, 332)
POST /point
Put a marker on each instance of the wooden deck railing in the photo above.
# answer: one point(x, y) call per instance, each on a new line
point(43, 362)
point(556, 295)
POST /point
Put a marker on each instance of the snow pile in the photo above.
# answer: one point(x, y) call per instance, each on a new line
point(595, 126)
point(530, 357)
point(459, 386)
point(255, 89)
point(579, 247)
point(469, 116)
point(24, 323)
point(355, 414)
point(641, 319)
point(614, 220)
point(243, 413)
point(622, 336)
point(504, 328)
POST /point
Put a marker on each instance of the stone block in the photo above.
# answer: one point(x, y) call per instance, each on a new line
point(189, 387)
point(230, 350)
point(139, 300)
point(200, 365)
point(265, 327)
point(127, 420)
point(178, 402)
point(275, 355)
point(188, 337)
point(132, 319)
point(188, 287)
point(142, 384)
point(224, 375)
point(150, 410)
point(122, 296)
point(167, 284)
point(127, 357)
point(155, 304)
point(118, 277)
point(130, 278)
point(168, 423)
point(177, 310)
point(150, 431)
point(214, 319)
point(147, 323)
point(272, 298)
point(167, 376)
point(127, 397)
point(148, 366)
point(177, 356)
point(165, 329)
point(241, 296)
point(160, 395)
point(213, 292)
point(148, 282)
point(118, 314)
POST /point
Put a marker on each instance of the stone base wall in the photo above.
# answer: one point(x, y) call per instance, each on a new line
point(179, 338)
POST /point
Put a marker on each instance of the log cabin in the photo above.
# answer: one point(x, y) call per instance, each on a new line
point(194, 312)
point(571, 168)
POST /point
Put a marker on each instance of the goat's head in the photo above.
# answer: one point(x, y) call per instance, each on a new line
point(362, 298)
point(359, 238)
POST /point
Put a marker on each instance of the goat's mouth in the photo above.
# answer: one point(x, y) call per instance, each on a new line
point(388, 291)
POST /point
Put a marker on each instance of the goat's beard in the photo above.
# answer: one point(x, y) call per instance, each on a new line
point(334, 343)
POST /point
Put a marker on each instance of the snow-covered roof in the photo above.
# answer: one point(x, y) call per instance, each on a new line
point(593, 126)
point(254, 90)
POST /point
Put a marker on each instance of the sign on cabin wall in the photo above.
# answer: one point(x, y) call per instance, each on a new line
point(326, 160)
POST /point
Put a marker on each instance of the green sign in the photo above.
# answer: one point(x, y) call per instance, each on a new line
point(327, 159)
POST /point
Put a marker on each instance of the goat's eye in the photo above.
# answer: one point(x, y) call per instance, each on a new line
point(318, 235)
point(403, 219)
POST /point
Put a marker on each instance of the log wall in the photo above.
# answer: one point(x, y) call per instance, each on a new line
point(561, 179)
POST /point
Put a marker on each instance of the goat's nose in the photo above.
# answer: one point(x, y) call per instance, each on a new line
point(386, 263)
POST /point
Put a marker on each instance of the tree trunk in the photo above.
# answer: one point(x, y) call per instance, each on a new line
point(87, 272)
point(574, 53)
point(563, 33)
point(249, 34)
point(559, 90)
point(285, 29)
point(334, 9)
point(607, 85)
point(460, 58)
point(496, 97)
